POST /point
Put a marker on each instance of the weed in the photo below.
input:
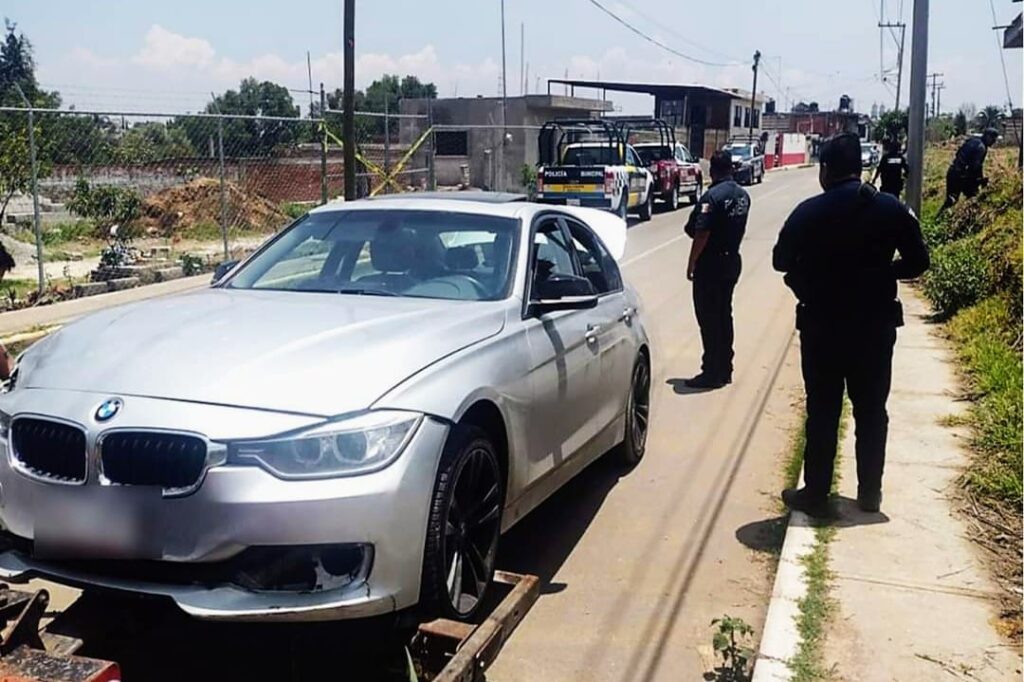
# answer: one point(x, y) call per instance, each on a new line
point(816, 610)
point(295, 209)
point(729, 642)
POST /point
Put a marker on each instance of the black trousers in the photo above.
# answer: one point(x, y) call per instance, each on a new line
point(858, 358)
point(957, 184)
point(714, 280)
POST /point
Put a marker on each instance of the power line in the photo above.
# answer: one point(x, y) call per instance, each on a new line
point(654, 41)
point(668, 29)
point(1002, 57)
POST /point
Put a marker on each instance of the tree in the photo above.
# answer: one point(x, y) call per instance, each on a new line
point(245, 136)
point(989, 117)
point(153, 141)
point(17, 67)
point(960, 123)
point(388, 88)
point(891, 125)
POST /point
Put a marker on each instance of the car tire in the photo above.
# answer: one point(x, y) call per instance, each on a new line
point(461, 545)
point(623, 210)
point(673, 198)
point(638, 411)
point(760, 177)
point(647, 208)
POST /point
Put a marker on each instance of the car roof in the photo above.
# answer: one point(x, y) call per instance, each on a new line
point(412, 201)
point(465, 195)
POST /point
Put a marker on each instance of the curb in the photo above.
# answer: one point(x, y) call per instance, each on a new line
point(780, 638)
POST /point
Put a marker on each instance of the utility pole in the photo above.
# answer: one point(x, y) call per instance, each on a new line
point(504, 73)
point(522, 58)
point(899, 55)
point(753, 97)
point(348, 120)
point(938, 99)
point(918, 93)
point(934, 78)
point(323, 145)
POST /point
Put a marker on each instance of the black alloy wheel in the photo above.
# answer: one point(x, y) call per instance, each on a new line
point(638, 414)
point(465, 522)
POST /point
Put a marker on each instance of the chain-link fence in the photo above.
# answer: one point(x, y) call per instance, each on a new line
point(134, 197)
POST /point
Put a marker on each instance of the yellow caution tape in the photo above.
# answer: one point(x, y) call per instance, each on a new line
point(390, 179)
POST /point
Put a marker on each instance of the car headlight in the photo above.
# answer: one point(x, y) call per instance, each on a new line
point(356, 445)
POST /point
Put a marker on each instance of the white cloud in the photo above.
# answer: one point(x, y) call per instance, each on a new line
point(165, 49)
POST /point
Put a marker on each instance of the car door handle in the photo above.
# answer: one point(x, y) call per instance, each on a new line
point(627, 314)
point(592, 331)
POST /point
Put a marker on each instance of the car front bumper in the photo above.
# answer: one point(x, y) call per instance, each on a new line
point(584, 199)
point(235, 509)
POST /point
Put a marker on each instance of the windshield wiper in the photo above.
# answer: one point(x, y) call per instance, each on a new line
point(366, 292)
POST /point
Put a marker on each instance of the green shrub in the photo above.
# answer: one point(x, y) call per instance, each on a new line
point(106, 204)
point(295, 209)
point(987, 338)
point(959, 276)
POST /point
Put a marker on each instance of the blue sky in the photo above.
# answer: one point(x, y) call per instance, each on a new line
point(169, 55)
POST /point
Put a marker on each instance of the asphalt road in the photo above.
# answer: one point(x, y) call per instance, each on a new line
point(637, 565)
point(634, 565)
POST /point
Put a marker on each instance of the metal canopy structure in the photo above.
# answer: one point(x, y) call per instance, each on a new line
point(662, 90)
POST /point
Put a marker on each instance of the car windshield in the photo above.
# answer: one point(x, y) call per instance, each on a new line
point(654, 153)
point(598, 155)
point(865, 149)
point(422, 254)
point(742, 151)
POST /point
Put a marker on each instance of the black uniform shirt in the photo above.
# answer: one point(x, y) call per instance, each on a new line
point(722, 211)
point(970, 158)
point(837, 251)
point(891, 168)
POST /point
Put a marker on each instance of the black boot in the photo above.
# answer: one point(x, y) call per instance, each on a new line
point(869, 501)
point(704, 380)
point(800, 500)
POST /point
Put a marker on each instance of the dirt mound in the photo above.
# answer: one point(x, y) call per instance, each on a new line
point(194, 209)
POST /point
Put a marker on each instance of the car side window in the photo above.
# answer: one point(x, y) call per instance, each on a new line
point(551, 254)
point(685, 153)
point(631, 157)
point(597, 264)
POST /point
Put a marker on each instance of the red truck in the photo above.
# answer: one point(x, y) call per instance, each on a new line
point(676, 172)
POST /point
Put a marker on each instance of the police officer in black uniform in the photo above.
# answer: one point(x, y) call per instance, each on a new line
point(716, 225)
point(892, 168)
point(966, 172)
point(837, 250)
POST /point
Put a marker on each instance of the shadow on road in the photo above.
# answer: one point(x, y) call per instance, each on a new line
point(153, 640)
point(680, 388)
point(767, 535)
point(541, 542)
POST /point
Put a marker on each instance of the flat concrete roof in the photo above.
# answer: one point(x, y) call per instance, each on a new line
point(658, 89)
point(544, 100)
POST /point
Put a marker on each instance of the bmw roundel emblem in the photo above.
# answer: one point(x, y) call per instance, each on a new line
point(108, 408)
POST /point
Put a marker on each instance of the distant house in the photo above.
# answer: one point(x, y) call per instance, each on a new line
point(468, 137)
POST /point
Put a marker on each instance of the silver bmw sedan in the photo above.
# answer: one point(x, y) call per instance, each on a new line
point(341, 426)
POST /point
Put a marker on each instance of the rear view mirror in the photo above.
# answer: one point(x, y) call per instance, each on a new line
point(563, 292)
point(223, 269)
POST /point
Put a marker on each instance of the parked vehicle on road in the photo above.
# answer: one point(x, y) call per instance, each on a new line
point(674, 171)
point(747, 162)
point(340, 426)
point(868, 155)
point(586, 162)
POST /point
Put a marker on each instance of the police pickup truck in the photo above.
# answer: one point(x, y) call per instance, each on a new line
point(586, 162)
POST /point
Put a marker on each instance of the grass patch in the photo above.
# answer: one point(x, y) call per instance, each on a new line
point(993, 369)
point(816, 611)
point(817, 607)
point(19, 288)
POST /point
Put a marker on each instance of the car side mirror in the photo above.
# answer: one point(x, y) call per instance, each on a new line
point(563, 292)
point(223, 269)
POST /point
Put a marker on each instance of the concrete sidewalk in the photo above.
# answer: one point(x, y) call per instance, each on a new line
point(65, 311)
point(915, 601)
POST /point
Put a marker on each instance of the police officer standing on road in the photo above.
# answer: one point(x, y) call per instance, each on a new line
point(837, 252)
point(892, 167)
point(966, 173)
point(716, 225)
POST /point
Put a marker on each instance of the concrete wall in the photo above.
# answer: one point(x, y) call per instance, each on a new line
point(494, 164)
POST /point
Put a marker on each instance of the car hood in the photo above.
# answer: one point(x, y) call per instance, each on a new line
point(308, 353)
